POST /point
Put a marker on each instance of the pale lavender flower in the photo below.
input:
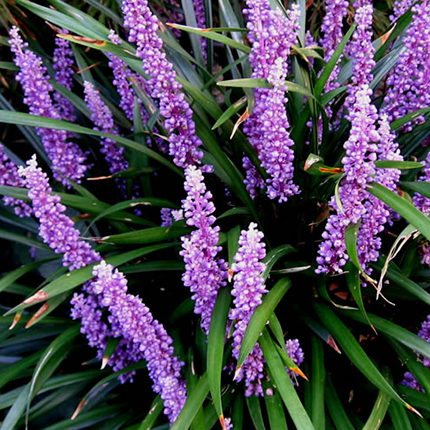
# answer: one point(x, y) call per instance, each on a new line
point(62, 62)
point(423, 203)
point(271, 35)
point(410, 380)
point(56, 229)
point(143, 25)
point(409, 82)
point(67, 158)
point(9, 176)
point(253, 179)
point(131, 319)
point(400, 7)
point(359, 169)
point(378, 213)
point(248, 289)
point(204, 273)
point(361, 52)
point(331, 28)
point(122, 80)
point(103, 119)
point(200, 13)
point(295, 352)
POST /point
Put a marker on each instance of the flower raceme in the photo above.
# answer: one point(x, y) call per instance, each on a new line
point(183, 140)
point(141, 337)
point(204, 273)
point(248, 290)
point(68, 160)
point(271, 35)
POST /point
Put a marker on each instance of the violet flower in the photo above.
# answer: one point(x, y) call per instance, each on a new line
point(200, 13)
point(295, 352)
point(359, 169)
point(378, 214)
point(131, 319)
point(271, 35)
point(409, 82)
point(331, 28)
point(66, 157)
point(56, 229)
point(204, 273)
point(62, 62)
point(103, 119)
point(409, 380)
point(248, 289)
point(143, 26)
point(9, 176)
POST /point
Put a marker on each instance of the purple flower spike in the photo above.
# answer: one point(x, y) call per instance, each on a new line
point(56, 229)
point(359, 167)
point(67, 158)
point(143, 26)
point(204, 273)
point(131, 319)
point(271, 35)
point(410, 380)
point(248, 290)
point(296, 354)
point(103, 119)
point(9, 176)
point(199, 10)
point(62, 60)
point(336, 11)
point(409, 83)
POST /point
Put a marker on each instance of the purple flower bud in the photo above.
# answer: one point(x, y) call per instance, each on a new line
point(133, 321)
point(62, 60)
point(204, 273)
point(143, 25)
point(271, 35)
point(409, 81)
point(103, 119)
point(56, 229)
point(67, 158)
point(248, 290)
point(9, 176)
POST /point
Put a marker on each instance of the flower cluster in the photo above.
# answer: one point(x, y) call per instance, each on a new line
point(336, 11)
point(204, 272)
point(56, 229)
point(409, 83)
point(66, 157)
point(410, 380)
point(359, 168)
point(62, 61)
point(103, 119)
point(361, 51)
point(122, 80)
point(200, 12)
point(143, 25)
point(295, 352)
point(271, 35)
point(248, 290)
point(9, 176)
point(131, 320)
point(377, 213)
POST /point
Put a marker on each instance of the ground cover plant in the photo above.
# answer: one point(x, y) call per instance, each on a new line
point(215, 214)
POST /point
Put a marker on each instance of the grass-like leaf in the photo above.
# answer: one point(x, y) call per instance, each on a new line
point(403, 207)
point(216, 341)
point(282, 380)
point(355, 352)
point(260, 318)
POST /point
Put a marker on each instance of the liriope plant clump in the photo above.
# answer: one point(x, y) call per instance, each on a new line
point(215, 215)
